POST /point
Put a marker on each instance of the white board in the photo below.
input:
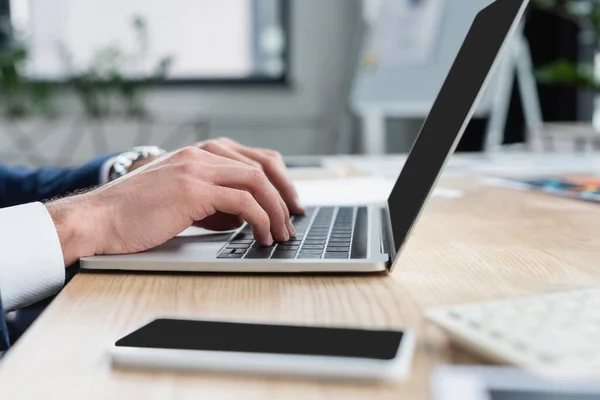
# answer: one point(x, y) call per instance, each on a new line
point(406, 85)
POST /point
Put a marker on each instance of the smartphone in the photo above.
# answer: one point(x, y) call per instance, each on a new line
point(310, 351)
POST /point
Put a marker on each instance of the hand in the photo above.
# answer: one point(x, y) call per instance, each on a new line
point(161, 199)
point(270, 161)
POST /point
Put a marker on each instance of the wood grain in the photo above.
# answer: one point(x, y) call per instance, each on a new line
point(491, 243)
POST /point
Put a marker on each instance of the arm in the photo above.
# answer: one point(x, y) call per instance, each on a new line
point(137, 212)
point(20, 185)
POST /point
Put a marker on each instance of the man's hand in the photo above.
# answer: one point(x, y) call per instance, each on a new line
point(161, 199)
point(270, 161)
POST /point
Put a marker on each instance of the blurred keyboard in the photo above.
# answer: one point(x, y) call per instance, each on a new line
point(555, 333)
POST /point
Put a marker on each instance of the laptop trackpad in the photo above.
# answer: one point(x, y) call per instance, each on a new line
point(205, 246)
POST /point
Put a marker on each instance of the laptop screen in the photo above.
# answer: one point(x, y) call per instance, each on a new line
point(451, 112)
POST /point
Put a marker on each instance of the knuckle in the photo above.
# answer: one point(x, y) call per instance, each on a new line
point(210, 146)
point(261, 218)
point(224, 139)
point(258, 176)
point(272, 162)
point(273, 153)
point(187, 152)
point(245, 199)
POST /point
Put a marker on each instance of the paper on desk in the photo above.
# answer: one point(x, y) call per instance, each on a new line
point(371, 190)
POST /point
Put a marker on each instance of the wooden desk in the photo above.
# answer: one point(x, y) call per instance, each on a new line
point(492, 243)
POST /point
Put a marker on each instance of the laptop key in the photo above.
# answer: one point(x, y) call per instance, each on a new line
point(238, 251)
point(286, 247)
point(313, 247)
point(338, 249)
point(284, 254)
point(361, 229)
point(264, 252)
point(245, 241)
point(244, 236)
point(260, 246)
point(304, 251)
point(229, 255)
point(339, 243)
point(336, 255)
point(238, 246)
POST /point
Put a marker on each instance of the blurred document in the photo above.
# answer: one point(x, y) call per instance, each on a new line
point(352, 191)
point(405, 32)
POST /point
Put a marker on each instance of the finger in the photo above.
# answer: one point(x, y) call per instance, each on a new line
point(240, 202)
point(216, 159)
point(223, 151)
point(256, 182)
point(288, 221)
point(274, 167)
point(277, 174)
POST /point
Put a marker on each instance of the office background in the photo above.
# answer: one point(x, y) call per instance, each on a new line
point(297, 103)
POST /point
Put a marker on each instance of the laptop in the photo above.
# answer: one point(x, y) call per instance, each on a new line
point(355, 239)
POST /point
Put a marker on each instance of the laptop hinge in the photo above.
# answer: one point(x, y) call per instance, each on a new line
point(387, 238)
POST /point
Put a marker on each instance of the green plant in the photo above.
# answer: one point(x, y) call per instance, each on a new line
point(20, 97)
point(105, 79)
point(586, 14)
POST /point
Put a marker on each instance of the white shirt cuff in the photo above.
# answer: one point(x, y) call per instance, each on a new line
point(31, 260)
point(105, 170)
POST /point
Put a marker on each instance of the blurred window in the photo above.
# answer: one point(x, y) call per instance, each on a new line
point(208, 41)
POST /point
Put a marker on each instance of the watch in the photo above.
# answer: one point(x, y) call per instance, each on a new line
point(124, 161)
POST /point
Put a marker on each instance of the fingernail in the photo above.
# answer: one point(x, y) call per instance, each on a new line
point(270, 239)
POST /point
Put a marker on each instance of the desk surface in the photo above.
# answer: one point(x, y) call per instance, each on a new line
point(492, 243)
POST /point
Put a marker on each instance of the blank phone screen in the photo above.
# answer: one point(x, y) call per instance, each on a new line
point(257, 338)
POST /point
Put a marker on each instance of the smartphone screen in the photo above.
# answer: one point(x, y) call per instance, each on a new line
point(272, 339)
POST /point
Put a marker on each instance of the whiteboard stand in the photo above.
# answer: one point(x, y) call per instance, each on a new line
point(374, 125)
point(516, 62)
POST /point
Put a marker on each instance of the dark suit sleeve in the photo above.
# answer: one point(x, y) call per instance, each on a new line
point(20, 185)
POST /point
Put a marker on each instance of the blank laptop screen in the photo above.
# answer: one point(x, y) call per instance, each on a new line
point(452, 109)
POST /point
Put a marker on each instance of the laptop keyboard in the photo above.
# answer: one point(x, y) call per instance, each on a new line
point(323, 232)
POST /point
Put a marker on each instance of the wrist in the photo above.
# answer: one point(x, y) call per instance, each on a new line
point(141, 163)
point(130, 160)
point(73, 222)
